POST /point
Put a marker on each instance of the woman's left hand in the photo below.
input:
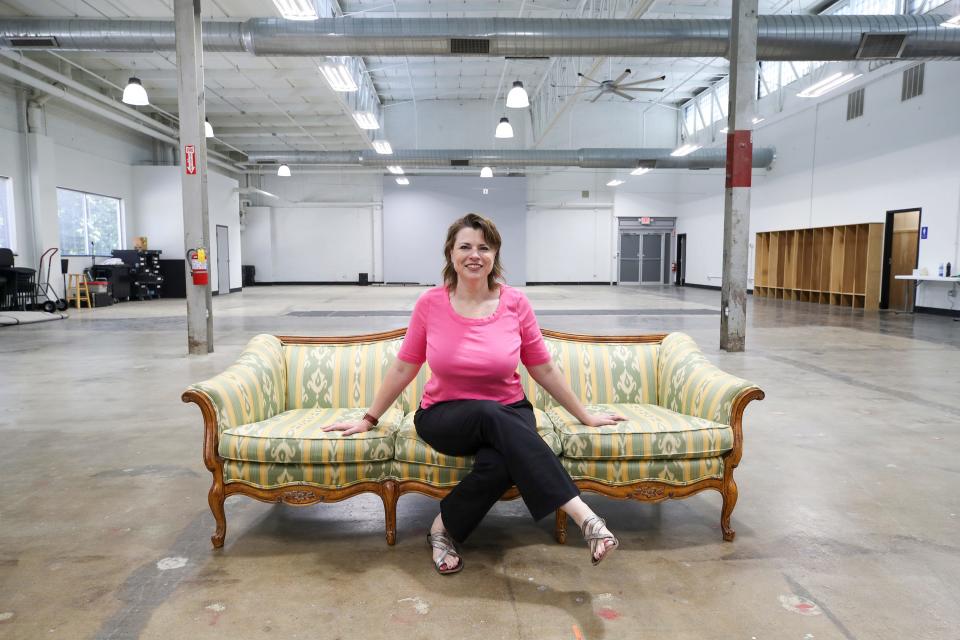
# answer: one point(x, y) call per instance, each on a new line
point(600, 419)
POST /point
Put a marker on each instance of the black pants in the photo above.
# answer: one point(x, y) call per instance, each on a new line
point(508, 451)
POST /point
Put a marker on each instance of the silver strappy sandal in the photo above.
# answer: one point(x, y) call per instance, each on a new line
point(444, 543)
point(591, 529)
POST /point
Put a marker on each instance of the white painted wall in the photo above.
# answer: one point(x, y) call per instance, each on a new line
point(72, 151)
point(830, 171)
point(12, 162)
point(570, 245)
point(257, 242)
point(321, 227)
point(416, 218)
point(157, 201)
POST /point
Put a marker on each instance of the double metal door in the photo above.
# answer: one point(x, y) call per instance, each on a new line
point(641, 258)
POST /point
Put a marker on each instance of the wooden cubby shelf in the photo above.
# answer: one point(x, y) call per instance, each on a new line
point(828, 265)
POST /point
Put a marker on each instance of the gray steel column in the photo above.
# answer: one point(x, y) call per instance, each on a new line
point(193, 168)
point(736, 204)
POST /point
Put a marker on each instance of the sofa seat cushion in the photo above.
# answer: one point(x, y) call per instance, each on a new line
point(429, 474)
point(410, 448)
point(297, 437)
point(625, 472)
point(267, 475)
point(649, 433)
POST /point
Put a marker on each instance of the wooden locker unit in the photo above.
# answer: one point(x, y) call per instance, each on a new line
point(832, 265)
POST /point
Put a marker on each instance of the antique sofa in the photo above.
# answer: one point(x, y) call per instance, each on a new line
point(263, 420)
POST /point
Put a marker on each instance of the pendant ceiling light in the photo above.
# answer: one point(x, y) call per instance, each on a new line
point(207, 129)
point(134, 93)
point(517, 98)
point(504, 130)
point(283, 171)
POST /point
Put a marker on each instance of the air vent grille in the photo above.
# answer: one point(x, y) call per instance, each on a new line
point(34, 42)
point(881, 46)
point(855, 104)
point(466, 46)
point(912, 82)
point(459, 163)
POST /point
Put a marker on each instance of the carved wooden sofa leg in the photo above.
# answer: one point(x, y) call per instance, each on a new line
point(730, 493)
point(390, 494)
point(216, 499)
point(560, 530)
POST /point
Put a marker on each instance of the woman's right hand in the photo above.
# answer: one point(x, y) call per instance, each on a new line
point(349, 427)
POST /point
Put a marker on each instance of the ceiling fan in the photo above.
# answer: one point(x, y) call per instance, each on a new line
point(616, 86)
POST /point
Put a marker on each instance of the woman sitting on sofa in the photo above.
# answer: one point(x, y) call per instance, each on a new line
point(473, 331)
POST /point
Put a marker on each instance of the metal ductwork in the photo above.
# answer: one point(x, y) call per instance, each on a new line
point(585, 158)
point(780, 37)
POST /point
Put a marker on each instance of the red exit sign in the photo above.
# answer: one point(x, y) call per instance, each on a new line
point(646, 220)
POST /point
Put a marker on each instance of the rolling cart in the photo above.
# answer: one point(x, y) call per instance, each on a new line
point(44, 289)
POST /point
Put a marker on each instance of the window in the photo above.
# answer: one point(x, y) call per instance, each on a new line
point(89, 224)
point(7, 233)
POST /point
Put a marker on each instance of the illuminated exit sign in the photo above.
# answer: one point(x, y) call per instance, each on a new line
point(646, 220)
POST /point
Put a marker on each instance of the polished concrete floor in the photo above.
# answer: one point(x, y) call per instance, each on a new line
point(847, 523)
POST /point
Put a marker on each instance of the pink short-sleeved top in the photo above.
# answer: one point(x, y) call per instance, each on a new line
point(473, 358)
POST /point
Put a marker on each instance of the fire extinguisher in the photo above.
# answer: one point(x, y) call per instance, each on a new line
point(673, 267)
point(198, 265)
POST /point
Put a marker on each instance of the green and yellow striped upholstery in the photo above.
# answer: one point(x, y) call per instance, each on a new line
point(250, 390)
point(297, 437)
point(410, 396)
point(606, 373)
point(689, 384)
point(650, 433)
point(620, 472)
point(337, 375)
point(429, 474)
point(265, 475)
point(409, 448)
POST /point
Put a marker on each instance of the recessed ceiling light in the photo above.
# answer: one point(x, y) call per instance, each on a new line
point(403, 181)
point(828, 84)
point(615, 183)
point(338, 76)
point(395, 169)
point(297, 9)
point(639, 171)
point(382, 147)
point(366, 120)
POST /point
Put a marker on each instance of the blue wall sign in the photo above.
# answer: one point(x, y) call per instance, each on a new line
point(923, 233)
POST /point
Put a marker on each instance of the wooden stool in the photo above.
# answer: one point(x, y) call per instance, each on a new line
point(78, 290)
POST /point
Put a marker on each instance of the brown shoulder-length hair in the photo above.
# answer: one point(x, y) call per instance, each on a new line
point(490, 235)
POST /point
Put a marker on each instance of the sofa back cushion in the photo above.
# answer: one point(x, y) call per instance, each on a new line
point(601, 373)
point(337, 375)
